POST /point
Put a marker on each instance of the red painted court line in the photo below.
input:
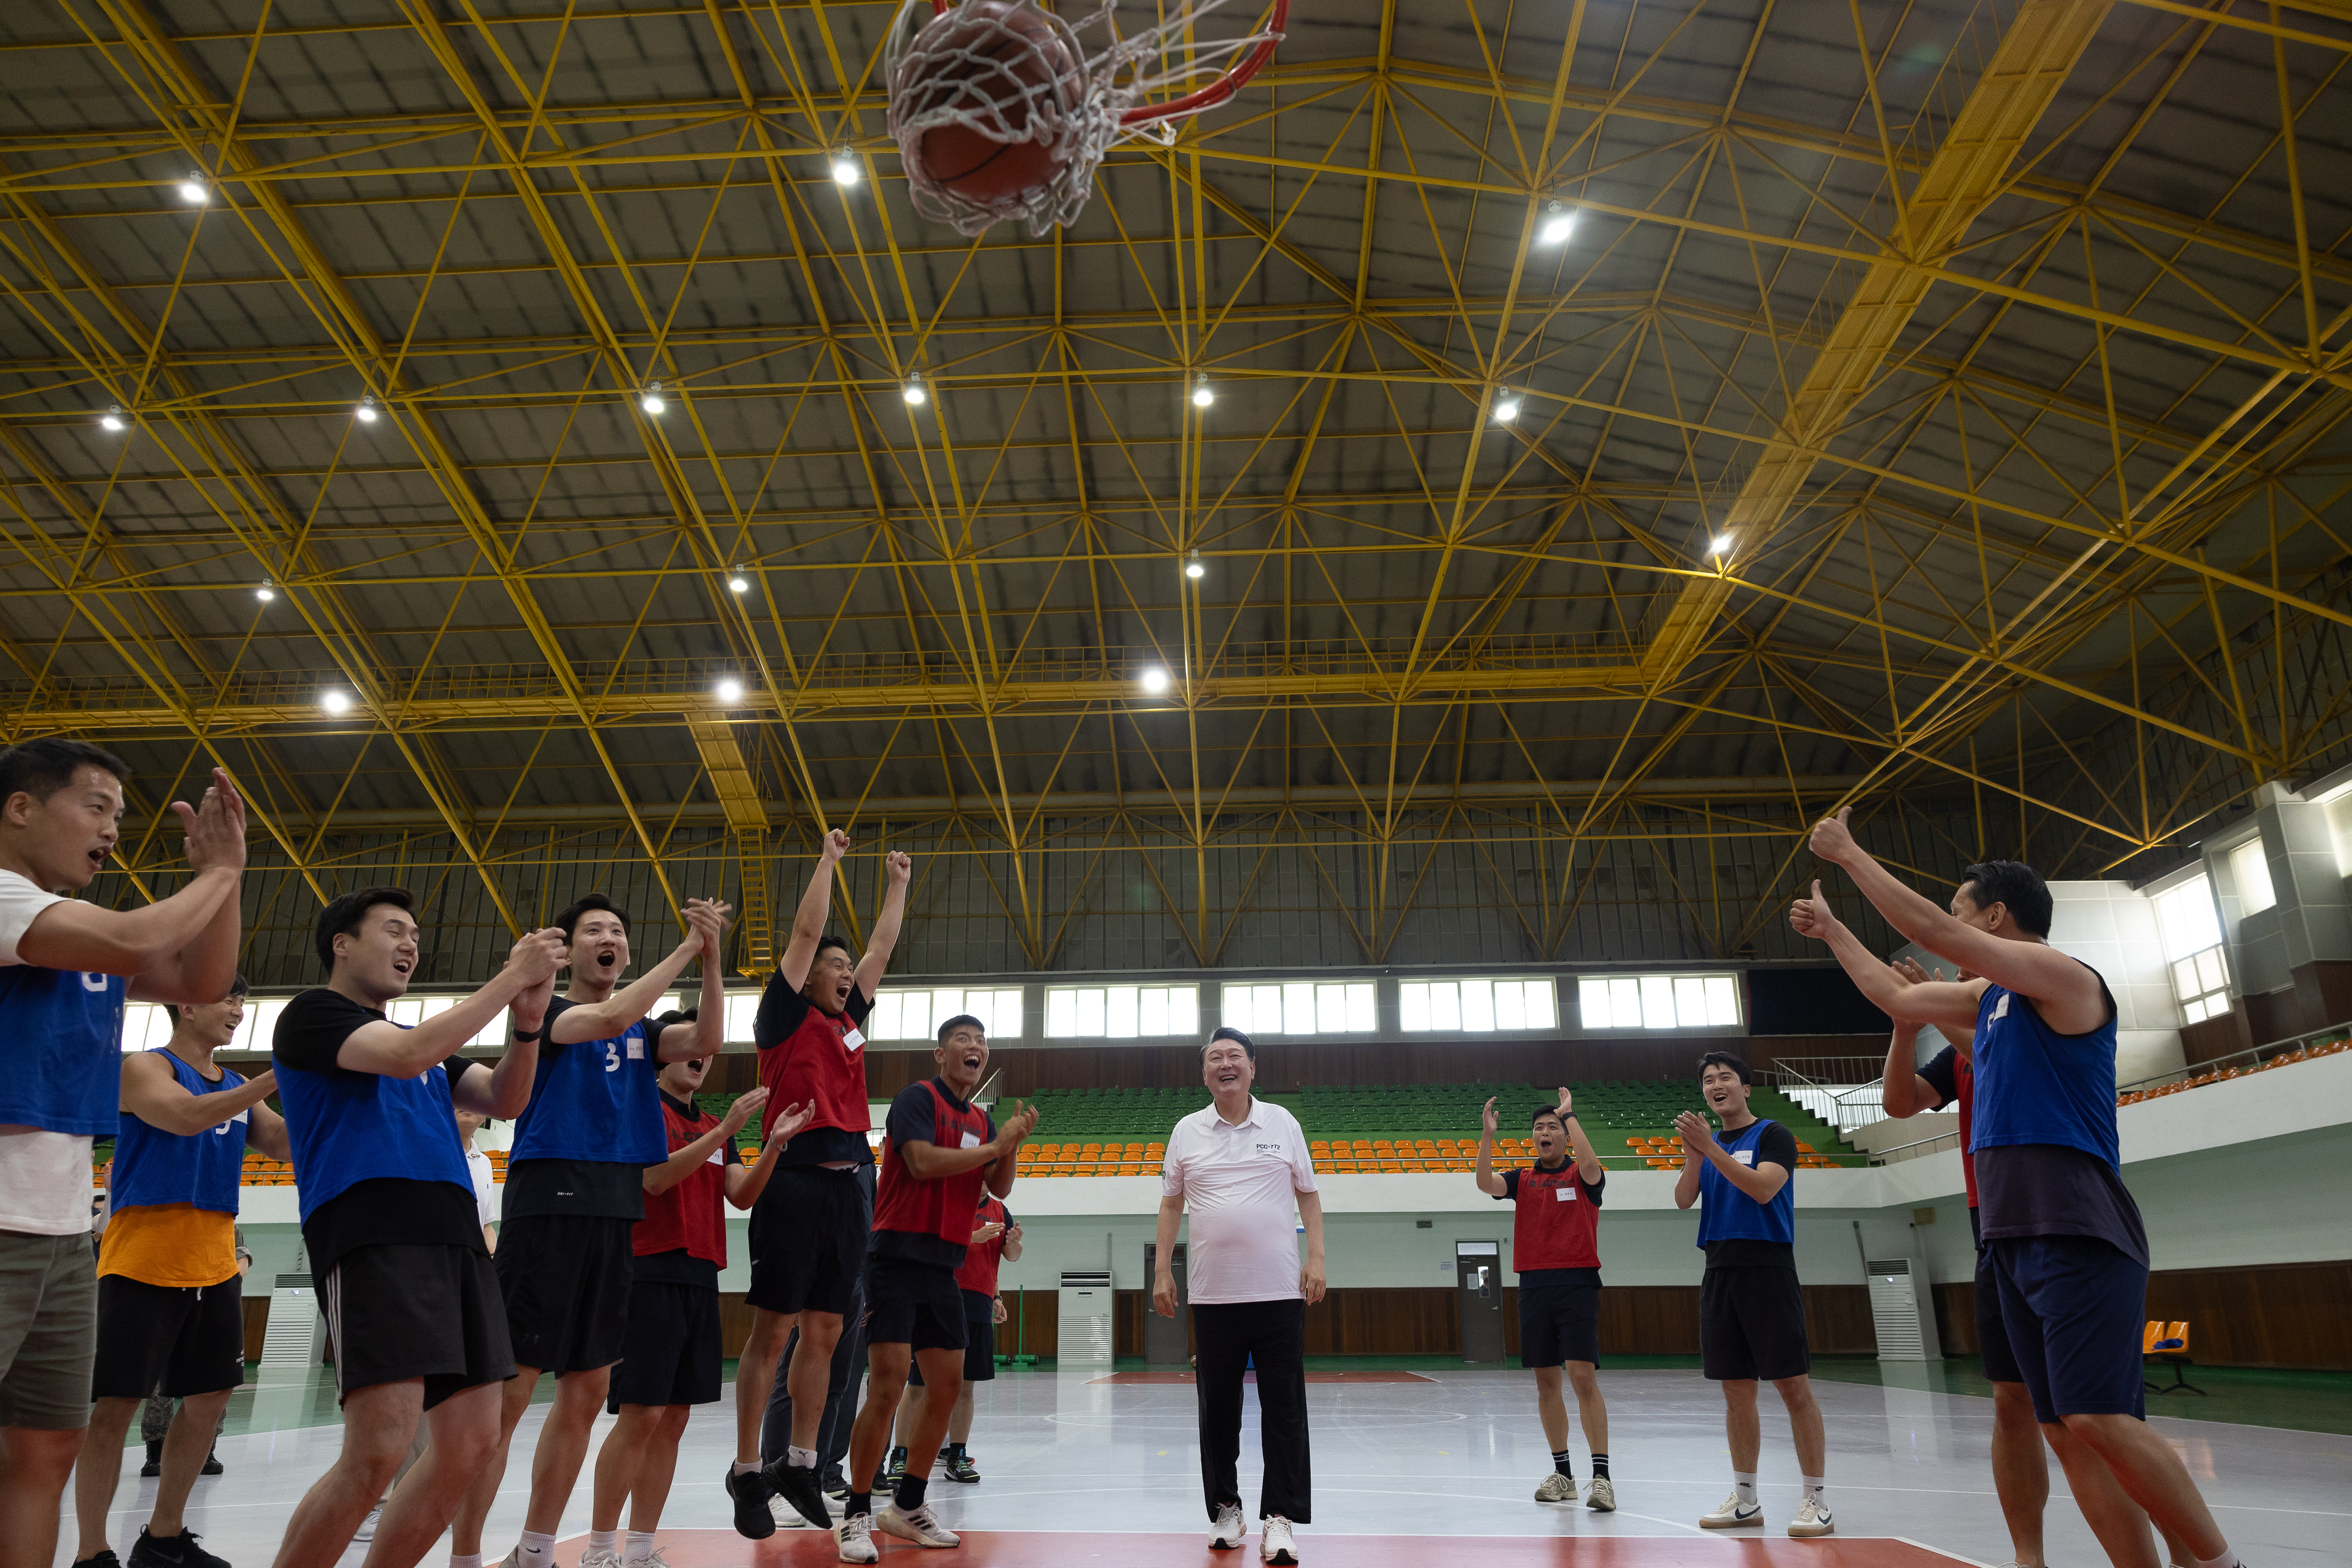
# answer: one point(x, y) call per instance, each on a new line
point(1252, 1377)
point(1021, 1549)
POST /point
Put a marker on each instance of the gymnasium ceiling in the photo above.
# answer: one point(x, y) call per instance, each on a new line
point(2004, 347)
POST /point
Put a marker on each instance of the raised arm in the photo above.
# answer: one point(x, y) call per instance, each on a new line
point(1901, 1091)
point(1588, 1163)
point(152, 1093)
point(744, 1184)
point(682, 1161)
point(388, 1050)
point(615, 1013)
point(1947, 1004)
point(816, 903)
point(707, 1032)
point(1694, 1157)
point(885, 936)
point(1490, 1180)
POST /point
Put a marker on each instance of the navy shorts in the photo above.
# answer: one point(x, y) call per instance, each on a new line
point(1992, 1335)
point(2071, 1307)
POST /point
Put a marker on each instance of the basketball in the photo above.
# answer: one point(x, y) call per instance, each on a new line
point(995, 64)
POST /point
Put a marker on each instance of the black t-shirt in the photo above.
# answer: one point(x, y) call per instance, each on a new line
point(782, 1008)
point(387, 1211)
point(600, 1189)
point(2049, 1189)
point(680, 1267)
point(1942, 1075)
point(1776, 1146)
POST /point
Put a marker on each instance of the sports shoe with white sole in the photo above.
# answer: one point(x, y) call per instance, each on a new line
point(367, 1525)
point(1274, 1544)
point(1556, 1488)
point(600, 1560)
point(854, 1537)
point(1732, 1514)
point(919, 1525)
point(1812, 1519)
point(1229, 1531)
point(797, 1485)
point(786, 1516)
point(1600, 1497)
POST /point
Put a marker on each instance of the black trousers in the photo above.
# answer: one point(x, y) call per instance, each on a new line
point(1225, 1339)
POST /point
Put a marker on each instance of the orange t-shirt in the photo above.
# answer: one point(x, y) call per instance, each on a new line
point(172, 1244)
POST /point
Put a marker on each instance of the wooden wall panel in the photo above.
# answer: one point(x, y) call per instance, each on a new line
point(1649, 1320)
point(1956, 1318)
point(257, 1325)
point(1838, 1321)
point(1406, 1321)
point(1045, 1312)
point(2293, 1315)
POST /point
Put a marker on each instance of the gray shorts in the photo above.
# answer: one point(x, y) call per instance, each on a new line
point(49, 1329)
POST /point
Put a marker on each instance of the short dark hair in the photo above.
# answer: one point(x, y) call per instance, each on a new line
point(957, 1023)
point(2016, 884)
point(237, 988)
point(570, 918)
point(42, 768)
point(1724, 1059)
point(344, 912)
point(1228, 1032)
point(825, 942)
point(1551, 1111)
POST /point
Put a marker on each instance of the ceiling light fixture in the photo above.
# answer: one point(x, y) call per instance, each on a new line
point(652, 403)
point(1721, 545)
point(336, 702)
point(844, 167)
point(264, 593)
point(365, 412)
point(736, 582)
point(914, 392)
point(1507, 407)
point(1201, 397)
point(112, 419)
point(193, 192)
point(729, 690)
point(1155, 681)
point(1559, 221)
point(1193, 568)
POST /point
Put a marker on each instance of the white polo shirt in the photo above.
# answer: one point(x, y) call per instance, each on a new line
point(1242, 1186)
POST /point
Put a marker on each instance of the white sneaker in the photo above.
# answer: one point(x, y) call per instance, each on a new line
point(1229, 1531)
point(855, 1536)
point(1812, 1519)
point(1274, 1544)
point(367, 1525)
point(786, 1516)
point(1557, 1488)
point(1732, 1514)
point(922, 1526)
point(1600, 1497)
point(600, 1560)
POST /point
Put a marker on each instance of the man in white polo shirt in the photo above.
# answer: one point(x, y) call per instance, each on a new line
point(1241, 1166)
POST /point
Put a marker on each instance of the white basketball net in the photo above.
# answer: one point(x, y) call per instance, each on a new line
point(964, 73)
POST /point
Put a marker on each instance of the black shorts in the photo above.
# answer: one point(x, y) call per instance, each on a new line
point(913, 1304)
point(1752, 1324)
point(168, 1339)
point(402, 1311)
point(978, 1340)
point(1561, 1321)
point(1992, 1335)
point(2073, 1306)
point(808, 1236)
point(671, 1351)
point(566, 1281)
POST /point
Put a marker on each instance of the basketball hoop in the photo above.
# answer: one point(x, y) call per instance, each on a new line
point(1001, 111)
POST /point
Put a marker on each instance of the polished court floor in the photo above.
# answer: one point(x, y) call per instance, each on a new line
point(1081, 1469)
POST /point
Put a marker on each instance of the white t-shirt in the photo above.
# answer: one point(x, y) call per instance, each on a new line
point(486, 1205)
point(44, 1180)
point(1241, 1185)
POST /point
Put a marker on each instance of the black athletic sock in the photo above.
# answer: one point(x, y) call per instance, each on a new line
point(1559, 1462)
point(954, 1451)
point(859, 1502)
point(911, 1492)
point(1600, 1466)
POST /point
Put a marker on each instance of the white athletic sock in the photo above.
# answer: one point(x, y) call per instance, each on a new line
point(640, 1548)
point(2228, 1559)
point(600, 1541)
point(1813, 1485)
point(464, 1559)
point(744, 1470)
point(536, 1548)
point(1745, 1486)
point(801, 1459)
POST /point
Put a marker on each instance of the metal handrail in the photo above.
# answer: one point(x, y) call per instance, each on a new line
point(2238, 1060)
point(1913, 1150)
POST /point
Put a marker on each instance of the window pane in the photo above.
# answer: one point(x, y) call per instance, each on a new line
point(2186, 920)
point(1061, 1014)
point(1690, 1001)
point(741, 1012)
point(1363, 1017)
point(1090, 1011)
point(1542, 1004)
point(405, 1011)
point(1624, 1002)
point(2197, 1010)
point(1445, 1006)
point(1413, 1007)
point(136, 1019)
point(1184, 1010)
point(2210, 975)
point(1151, 1011)
point(882, 1023)
point(1331, 1008)
point(1233, 1008)
point(1657, 1001)
point(2252, 870)
point(1008, 1021)
point(1722, 1001)
point(1119, 1012)
point(493, 1033)
point(1298, 1008)
point(1478, 1007)
point(1592, 1004)
point(1510, 1005)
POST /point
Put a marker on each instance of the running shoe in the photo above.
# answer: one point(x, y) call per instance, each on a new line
point(105, 1559)
point(749, 1491)
point(1274, 1544)
point(1812, 1519)
point(1557, 1488)
point(212, 1466)
point(180, 1551)
point(962, 1468)
point(367, 1525)
point(1600, 1497)
point(1732, 1514)
point(595, 1559)
point(895, 1472)
point(854, 1537)
point(1229, 1531)
point(785, 1515)
point(797, 1485)
point(919, 1525)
